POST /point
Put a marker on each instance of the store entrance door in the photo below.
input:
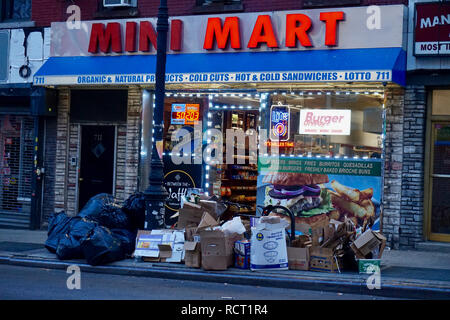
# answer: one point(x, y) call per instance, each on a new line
point(96, 163)
point(439, 217)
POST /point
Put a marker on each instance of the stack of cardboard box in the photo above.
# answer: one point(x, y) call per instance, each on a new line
point(321, 245)
point(208, 245)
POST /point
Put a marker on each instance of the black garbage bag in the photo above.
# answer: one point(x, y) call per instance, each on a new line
point(127, 238)
point(95, 204)
point(101, 209)
point(112, 217)
point(134, 207)
point(69, 246)
point(58, 225)
point(101, 246)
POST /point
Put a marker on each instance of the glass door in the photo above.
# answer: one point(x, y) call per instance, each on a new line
point(439, 204)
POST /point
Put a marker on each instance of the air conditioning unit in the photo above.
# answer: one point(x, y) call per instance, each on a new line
point(117, 3)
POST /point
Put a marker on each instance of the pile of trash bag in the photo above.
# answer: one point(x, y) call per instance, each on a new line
point(102, 232)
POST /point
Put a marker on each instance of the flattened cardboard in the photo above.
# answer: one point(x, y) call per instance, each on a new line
point(298, 258)
point(160, 245)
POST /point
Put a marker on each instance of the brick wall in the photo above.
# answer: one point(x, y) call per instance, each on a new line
point(46, 11)
point(411, 218)
point(72, 176)
point(48, 203)
point(133, 140)
point(61, 149)
point(393, 166)
point(68, 145)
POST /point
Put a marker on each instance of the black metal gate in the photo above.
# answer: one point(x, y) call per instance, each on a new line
point(16, 167)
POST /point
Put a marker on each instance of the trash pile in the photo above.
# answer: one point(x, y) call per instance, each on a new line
point(205, 237)
point(201, 240)
point(102, 232)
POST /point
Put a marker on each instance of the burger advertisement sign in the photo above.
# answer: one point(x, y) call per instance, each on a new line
point(316, 188)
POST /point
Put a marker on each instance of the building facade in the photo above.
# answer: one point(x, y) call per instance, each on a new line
point(27, 125)
point(425, 208)
point(412, 100)
point(232, 82)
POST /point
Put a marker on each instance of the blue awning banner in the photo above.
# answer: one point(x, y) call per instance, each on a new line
point(340, 65)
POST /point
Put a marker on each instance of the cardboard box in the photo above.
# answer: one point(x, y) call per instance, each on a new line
point(190, 215)
point(207, 221)
point(217, 249)
point(242, 254)
point(323, 259)
point(298, 258)
point(189, 233)
point(193, 256)
point(160, 245)
point(367, 242)
point(212, 207)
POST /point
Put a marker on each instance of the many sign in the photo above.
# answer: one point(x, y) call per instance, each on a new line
point(432, 29)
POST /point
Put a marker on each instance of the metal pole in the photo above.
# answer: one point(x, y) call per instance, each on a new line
point(156, 194)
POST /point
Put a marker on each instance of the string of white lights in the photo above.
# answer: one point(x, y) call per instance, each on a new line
point(258, 95)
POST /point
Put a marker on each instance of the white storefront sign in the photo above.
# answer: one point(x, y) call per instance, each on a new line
point(325, 121)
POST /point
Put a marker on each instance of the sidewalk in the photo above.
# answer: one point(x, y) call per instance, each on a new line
point(404, 274)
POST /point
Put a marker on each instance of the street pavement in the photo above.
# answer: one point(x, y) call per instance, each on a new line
point(404, 274)
point(28, 283)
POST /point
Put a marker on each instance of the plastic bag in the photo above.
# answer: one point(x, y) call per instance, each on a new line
point(95, 205)
point(112, 217)
point(58, 225)
point(134, 207)
point(101, 247)
point(101, 208)
point(127, 238)
point(233, 226)
point(70, 245)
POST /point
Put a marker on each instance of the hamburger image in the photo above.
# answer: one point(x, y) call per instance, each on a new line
point(299, 192)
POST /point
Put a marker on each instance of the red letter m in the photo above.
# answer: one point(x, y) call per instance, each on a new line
point(105, 38)
point(230, 29)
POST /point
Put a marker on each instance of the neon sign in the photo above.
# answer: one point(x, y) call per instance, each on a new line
point(279, 122)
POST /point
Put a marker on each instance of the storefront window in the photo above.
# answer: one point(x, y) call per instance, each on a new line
point(329, 157)
point(335, 124)
point(441, 103)
point(336, 137)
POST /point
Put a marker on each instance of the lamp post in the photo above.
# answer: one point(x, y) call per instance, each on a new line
point(156, 194)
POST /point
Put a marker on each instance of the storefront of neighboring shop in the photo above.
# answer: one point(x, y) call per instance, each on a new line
point(320, 88)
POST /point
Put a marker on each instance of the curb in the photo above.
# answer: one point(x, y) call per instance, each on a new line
point(389, 288)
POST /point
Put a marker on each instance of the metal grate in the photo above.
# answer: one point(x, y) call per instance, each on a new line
point(16, 165)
